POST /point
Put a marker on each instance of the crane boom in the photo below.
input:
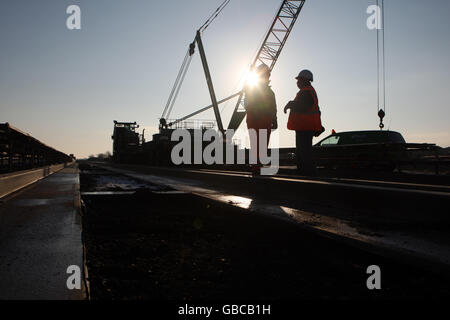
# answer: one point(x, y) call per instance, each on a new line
point(271, 48)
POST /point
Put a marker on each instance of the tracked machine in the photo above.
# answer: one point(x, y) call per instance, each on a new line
point(128, 147)
point(127, 144)
point(157, 151)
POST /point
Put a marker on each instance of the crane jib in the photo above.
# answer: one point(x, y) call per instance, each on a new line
point(271, 47)
point(267, 54)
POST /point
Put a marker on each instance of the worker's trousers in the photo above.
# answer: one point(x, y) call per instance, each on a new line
point(255, 141)
point(304, 153)
point(257, 123)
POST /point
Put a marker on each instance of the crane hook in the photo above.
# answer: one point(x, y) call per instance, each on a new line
point(381, 114)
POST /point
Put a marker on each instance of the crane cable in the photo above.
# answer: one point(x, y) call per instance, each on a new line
point(186, 62)
point(189, 59)
point(175, 85)
point(213, 16)
point(381, 60)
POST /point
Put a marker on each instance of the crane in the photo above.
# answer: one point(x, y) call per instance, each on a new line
point(268, 54)
point(271, 47)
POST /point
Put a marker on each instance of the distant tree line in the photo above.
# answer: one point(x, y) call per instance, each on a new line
point(101, 156)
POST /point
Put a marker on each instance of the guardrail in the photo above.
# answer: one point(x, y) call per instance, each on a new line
point(19, 151)
point(14, 181)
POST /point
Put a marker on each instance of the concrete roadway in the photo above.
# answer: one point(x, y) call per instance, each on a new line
point(40, 237)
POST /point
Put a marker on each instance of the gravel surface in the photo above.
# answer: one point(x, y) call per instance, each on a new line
point(183, 247)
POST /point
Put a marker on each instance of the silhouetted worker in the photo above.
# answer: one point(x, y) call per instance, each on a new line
point(304, 118)
point(163, 123)
point(261, 110)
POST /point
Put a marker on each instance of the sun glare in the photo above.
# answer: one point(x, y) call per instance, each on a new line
point(252, 79)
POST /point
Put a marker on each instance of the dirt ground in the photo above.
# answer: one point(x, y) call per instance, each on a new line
point(182, 247)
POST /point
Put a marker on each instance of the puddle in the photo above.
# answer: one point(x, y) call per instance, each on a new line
point(32, 202)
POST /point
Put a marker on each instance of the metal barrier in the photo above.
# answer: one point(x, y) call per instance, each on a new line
point(20, 151)
point(14, 181)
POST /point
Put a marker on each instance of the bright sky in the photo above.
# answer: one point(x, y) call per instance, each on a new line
point(66, 87)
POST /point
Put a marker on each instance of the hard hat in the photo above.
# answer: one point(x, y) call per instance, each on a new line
point(263, 69)
point(305, 74)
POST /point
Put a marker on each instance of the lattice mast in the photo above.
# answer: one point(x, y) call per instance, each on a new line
point(271, 48)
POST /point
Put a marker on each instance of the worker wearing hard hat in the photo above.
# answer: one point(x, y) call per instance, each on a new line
point(304, 118)
point(261, 109)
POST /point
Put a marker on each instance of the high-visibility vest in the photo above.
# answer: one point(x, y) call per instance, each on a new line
point(308, 120)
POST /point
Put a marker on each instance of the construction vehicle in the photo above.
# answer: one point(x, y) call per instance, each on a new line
point(126, 142)
point(267, 54)
point(157, 152)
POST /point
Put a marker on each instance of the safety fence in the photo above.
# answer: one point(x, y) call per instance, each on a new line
point(20, 151)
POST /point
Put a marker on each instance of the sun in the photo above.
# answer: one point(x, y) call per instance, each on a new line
point(252, 79)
